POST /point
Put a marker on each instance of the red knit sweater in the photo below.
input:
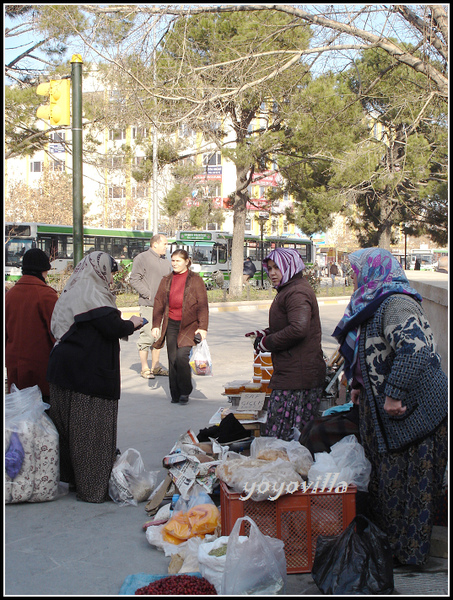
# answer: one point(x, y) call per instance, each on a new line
point(176, 296)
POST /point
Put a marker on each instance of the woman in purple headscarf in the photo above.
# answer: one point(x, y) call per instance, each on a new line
point(294, 340)
point(396, 378)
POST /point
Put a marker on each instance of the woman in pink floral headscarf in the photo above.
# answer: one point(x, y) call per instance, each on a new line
point(294, 339)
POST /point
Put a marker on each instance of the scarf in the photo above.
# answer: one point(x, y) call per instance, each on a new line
point(37, 274)
point(88, 288)
point(379, 275)
point(288, 261)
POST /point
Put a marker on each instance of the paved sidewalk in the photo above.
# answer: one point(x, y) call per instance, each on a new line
point(66, 547)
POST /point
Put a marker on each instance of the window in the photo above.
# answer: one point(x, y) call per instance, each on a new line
point(140, 132)
point(248, 224)
point(56, 137)
point(212, 159)
point(185, 131)
point(57, 165)
point(117, 191)
point(212, 191)
point(36, 167)
point(115, 162)
point(140, 191)
point(115, 96)
point(117, 134)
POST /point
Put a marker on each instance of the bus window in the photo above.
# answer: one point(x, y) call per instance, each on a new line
point(14, 250)
point(222, 252)
point(204, 253)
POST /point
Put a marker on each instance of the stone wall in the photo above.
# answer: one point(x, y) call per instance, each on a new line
point(433, 288)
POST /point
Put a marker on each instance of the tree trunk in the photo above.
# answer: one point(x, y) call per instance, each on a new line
point(386, 222)
point(239, 214)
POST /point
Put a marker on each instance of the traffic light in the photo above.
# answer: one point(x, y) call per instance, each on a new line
point(58, 111)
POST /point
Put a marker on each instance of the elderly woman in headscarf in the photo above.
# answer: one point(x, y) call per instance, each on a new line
point(84, 375)
point(294, 340)
point(396, 378)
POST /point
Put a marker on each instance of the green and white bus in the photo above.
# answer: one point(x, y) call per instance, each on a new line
point(57, 242)
point(210, 252)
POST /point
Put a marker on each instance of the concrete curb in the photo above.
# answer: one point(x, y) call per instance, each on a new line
point(246, 305)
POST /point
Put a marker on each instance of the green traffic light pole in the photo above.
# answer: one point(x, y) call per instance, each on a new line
point(77, 174)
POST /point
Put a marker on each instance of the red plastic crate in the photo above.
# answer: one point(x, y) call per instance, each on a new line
point(296, 519)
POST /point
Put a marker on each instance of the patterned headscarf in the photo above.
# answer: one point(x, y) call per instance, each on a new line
point(379, 274)
point(87, 288)
point(287, 260)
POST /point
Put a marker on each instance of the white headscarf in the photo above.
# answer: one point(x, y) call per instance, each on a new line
point(87, 288)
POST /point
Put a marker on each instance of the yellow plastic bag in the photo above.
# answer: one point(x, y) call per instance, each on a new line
point(198, 521)
point(203, 519)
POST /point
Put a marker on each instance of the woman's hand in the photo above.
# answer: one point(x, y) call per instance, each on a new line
point(355, 396)
point(394, 408)
point(202, 332)
point(155, 332)
point(137, 321)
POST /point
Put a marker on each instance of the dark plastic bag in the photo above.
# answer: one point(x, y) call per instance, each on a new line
point(358, 561)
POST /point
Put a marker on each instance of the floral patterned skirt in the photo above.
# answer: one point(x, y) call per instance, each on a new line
point(404, 489)
point(87, 428)
point(291, 408)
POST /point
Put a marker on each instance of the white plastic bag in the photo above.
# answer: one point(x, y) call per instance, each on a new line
point(210, 565)
point(346, 460)
point(258, 479)
point(130, 483)
point(255, 564)
point(32, 465)
point(200, 359)
point(271, 448)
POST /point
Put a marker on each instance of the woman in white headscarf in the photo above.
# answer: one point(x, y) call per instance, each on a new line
point(294, 339)
point(84, 375)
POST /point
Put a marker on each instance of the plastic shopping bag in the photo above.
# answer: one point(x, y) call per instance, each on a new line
point(200, 359)
point(130, 483)
point(212, 560)
point(32, 466)
point(358, 561)
point(254, 565)
point(196, 516)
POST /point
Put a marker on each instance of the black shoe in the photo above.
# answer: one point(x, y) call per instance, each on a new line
point(175, 401)
point(183, 399)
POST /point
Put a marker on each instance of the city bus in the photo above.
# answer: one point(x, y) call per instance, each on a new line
point(305, 246)
point(57, 242)
point(210, 252)
point(426, 258)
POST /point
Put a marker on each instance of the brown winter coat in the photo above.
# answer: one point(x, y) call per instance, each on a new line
point(294, 337)
point(29, 306)
point(195, 312)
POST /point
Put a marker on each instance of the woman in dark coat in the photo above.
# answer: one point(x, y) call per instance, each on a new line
point(84, 375)
point(180, 313)
point(294, 339)
point(29, 306)
point(396, 379)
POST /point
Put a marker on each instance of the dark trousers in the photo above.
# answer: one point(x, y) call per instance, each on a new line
point(180, 374)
